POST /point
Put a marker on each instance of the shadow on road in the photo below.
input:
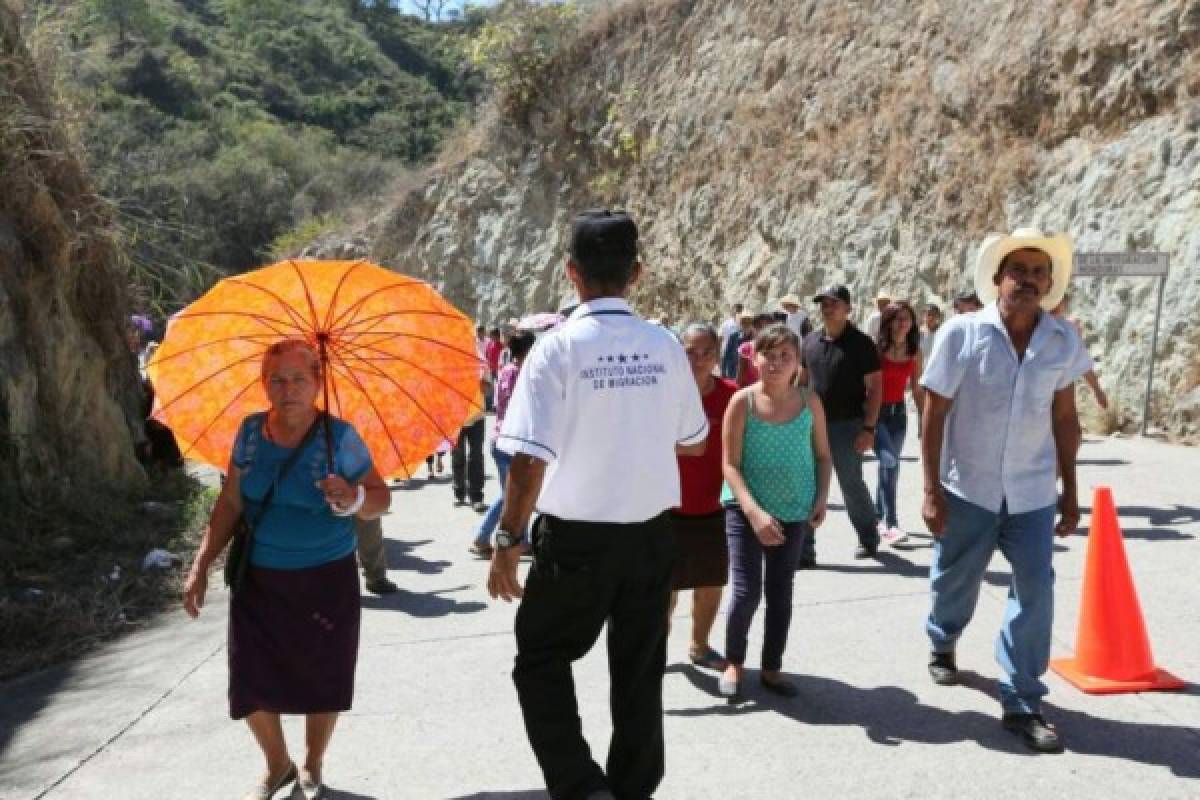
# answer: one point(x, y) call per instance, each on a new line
point(424, 604)
point(1156, 518)
point(334, 794)
point(400, 557)
point(24, 697)
point(526, 794)
point(888, 563)
point(890, 716)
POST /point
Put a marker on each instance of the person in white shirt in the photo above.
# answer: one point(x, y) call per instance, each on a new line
point(882, 301)
point(999, 414)
point(730, 327)
point(601, 408)
point(797, 318)
point(933, 321)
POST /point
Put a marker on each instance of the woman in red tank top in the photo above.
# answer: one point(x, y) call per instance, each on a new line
point(702, 563)
point(900, 363)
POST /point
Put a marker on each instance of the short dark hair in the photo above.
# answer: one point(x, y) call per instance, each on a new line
point(737, 308)
point(521, 343)
point(604, 247)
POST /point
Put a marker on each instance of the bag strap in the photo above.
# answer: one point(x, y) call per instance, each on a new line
point(295, 455)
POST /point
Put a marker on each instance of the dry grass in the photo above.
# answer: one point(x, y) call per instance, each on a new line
point(58, 596)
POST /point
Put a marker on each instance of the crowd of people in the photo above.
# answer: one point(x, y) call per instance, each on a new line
point(738, 430)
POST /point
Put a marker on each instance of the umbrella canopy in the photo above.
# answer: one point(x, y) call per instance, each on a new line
point(539, 322)
point(400, 361)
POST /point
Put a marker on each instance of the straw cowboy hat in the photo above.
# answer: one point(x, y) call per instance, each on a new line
point(997, 245)
point(789, 300)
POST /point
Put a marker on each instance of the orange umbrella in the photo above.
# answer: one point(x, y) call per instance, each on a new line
point(400, 361)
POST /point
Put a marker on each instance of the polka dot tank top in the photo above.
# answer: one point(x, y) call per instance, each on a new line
point(778, 464)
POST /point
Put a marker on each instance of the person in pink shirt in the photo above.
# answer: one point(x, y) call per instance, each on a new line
point(519, 346)
point(747, 372)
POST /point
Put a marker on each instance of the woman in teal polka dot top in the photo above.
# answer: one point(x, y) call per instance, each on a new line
point(777, 467)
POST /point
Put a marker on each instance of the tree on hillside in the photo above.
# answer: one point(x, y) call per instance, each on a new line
point(125, 17)
point(437, 10)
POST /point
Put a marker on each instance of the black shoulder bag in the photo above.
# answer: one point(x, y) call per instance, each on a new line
point(237, 560)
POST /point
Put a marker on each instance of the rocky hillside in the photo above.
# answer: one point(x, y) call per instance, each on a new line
point(770, 147)
point(69, 395)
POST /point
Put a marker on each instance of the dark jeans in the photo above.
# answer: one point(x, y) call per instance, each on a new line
point(748, 561)
point(585, 574)
point(847, 464)
point(467, 468)
point(729, 359)
point(889, 443)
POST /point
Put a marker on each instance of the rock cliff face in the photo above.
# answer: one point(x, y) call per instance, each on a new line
point(68, 386)
point(770, 147)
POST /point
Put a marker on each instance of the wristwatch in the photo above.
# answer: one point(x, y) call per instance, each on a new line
point(506, 539)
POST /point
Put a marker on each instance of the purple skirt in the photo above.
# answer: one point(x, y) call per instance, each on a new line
point(293, 640)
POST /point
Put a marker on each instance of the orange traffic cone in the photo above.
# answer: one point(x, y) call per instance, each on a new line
point(1112, 651)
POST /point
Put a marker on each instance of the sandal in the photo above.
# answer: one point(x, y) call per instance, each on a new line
point(709, 659)
point(266, 791)
point(310, 787)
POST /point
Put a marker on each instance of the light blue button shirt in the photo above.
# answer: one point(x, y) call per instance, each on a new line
point(999, 440)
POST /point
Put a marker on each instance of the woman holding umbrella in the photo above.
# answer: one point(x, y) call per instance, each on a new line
point(300, 596)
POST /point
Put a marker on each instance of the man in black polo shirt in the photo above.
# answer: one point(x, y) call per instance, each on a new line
point(842, 366)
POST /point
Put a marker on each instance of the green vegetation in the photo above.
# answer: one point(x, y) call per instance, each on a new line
point(218, 126)
point(516, 44)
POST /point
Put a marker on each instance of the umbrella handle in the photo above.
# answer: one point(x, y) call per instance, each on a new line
point(322, 338)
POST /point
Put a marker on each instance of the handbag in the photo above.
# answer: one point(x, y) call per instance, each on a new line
point(237, 560)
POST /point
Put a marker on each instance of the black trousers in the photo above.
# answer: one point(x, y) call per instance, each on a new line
point(466, 468)
point(585, 574)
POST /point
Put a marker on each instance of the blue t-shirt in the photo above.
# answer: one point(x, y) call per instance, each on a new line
point(298, 530)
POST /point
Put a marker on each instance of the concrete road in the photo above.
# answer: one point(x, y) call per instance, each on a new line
point(435, 713)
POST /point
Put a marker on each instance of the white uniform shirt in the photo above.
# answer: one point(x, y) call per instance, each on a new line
point(999, 440)
point(603, 400)
point(873, 323)
point(795, 321)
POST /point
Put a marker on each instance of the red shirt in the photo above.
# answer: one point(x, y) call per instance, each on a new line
point(896, 375)
point(700, 476)
point(491, 353)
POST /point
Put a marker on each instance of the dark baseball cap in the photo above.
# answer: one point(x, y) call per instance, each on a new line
point(601, 233)
point(835, 292)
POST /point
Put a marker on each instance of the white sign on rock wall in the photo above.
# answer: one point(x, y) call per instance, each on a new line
point(1120, 265)
point(1127, 265)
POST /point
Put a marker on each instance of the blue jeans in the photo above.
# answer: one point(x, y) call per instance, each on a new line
point(889, 443)
point(960, 559)
point(492, 518)
point(748, 560)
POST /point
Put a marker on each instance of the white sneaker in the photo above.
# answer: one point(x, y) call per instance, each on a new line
point(893, 536)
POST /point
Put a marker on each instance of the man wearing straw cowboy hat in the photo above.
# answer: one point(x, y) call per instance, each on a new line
point(999, 414)
point(797, 319)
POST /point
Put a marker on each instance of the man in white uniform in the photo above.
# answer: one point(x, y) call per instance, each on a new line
point(601, 408)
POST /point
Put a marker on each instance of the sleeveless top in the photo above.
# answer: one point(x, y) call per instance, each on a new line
point(778, 464)
point(896, 375)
